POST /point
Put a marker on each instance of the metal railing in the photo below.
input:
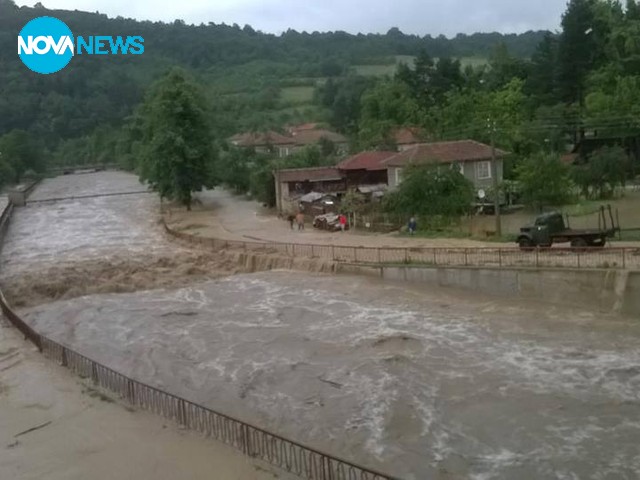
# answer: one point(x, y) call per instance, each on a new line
point(290, 456)
point(583, 258)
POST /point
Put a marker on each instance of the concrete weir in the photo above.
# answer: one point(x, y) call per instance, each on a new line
point(611, 291)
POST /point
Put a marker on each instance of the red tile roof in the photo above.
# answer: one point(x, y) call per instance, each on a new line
point(408, 135)
point(320, 174)
point(444, 152)
point(372, 161)
point(302, 127)
point(260, 139)
point(311, 137)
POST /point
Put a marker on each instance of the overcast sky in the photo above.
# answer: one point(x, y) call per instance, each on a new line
point(411, 16)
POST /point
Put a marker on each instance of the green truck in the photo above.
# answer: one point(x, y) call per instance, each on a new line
point(551, 228)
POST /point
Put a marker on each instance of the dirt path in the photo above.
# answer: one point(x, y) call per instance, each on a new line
point(229, 217)
point(222, 215)
point(80, 434)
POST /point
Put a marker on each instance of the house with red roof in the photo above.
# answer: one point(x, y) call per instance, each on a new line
point(265, 142)
point(365, 171)
point(366, 168)
point(285, 145)
point(471, 158)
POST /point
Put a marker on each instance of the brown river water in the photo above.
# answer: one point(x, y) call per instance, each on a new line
point(418, 382)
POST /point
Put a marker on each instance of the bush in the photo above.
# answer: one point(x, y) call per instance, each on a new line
point(430, 190)
point(544, 181)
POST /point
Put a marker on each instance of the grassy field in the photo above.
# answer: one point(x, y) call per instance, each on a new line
point(297, 95)
point(582, 215)
point(390, 69)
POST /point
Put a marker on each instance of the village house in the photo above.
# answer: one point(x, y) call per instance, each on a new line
point(471, 158)
point(265, 142)
point(296, 139)
point(292, 184)
point(365, 172)
point(365, 168)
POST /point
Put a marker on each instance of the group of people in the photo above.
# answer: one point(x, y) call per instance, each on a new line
point(298, 220)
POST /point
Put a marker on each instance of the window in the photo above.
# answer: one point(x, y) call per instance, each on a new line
point(483, 170)
point(398, 176)
point(284, 152)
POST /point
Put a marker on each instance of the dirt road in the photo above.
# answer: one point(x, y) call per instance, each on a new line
point(80, 434)
point(228, 217)
point(225, 216)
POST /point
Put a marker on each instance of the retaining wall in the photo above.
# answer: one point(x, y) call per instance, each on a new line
point(616, 291)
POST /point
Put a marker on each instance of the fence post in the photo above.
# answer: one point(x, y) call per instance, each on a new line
point(406, 255)
point(500, 257)
point(64, 361)
point(131, 392)
point(313, 252)
point(578, 252)
point(379, 259)
point(435, 257)
point(466, 259)
point(247, 440)
point(537, 258)
point(333, 252)
point(624, 258)
point(355, 255)
point(183, 413)
point(94, 371)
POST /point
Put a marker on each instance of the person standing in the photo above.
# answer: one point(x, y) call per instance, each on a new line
point(300, 220)
point(413, 226)
point(343, 221)
point(291, 219)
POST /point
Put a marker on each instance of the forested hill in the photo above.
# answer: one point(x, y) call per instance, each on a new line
point(97, 91)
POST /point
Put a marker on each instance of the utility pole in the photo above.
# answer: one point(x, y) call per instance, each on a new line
point(494, 176)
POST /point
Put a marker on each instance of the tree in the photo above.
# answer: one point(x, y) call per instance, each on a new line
point(263, 187)
point(177, 153)
point(21, 153)
point(7, 175)
point(542, 81)
point(386, 106)
point(632, 10)
point(544, 181)
point(605, 169)
point(585, 28)
point(234, 168)
point(432, 190)
point(430, 80)
point(503, 68)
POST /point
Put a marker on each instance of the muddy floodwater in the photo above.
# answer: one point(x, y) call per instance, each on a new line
point(419, 382)
point(50, 233)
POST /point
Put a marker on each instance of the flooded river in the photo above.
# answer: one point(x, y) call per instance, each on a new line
point(421, 383)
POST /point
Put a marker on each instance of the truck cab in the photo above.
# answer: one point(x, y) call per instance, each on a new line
point(542, 232)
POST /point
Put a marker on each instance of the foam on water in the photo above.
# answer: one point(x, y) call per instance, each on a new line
point(387, 381)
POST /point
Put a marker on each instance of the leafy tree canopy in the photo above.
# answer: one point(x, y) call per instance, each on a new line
point(177, 155)
point(431, 190)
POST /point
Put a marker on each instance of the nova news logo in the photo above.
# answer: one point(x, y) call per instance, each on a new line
point(46, 45)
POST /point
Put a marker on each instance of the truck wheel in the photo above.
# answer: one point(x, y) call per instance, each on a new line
point(579, 243)
point(525, 243)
